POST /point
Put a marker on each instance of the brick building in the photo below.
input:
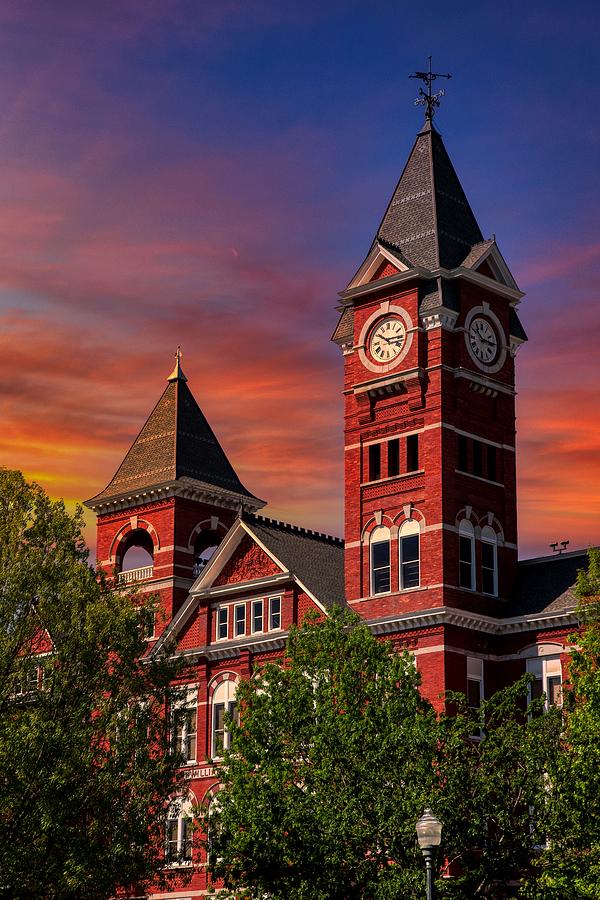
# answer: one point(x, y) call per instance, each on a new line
point(429, 332)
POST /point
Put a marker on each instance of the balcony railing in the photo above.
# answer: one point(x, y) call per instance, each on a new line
point(133, 575)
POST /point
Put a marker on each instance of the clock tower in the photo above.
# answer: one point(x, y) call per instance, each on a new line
point(429, 331)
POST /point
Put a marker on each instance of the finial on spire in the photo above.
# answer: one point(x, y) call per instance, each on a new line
point(177, 373)
point(426, 98)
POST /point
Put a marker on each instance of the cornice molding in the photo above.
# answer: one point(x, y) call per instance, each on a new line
point(185, 487)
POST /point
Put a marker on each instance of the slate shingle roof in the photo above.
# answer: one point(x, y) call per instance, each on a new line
point(316, 559)
point(437, 292)
point(344, 330)
point(514, 326)
point(176, 441)
point(546, 584)
point(429, 219)
point(475, 253)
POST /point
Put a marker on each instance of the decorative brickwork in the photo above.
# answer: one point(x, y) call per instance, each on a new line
point(247, 563)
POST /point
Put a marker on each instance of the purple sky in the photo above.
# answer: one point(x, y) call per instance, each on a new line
point(212, 175)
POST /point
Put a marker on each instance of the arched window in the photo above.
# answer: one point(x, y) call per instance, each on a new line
point(489, 561)
point(205, 545)
point(466, 555)
point(409, 554)
point(178, 843)
point(223, 701)
point(135, 557)
point(380, 560)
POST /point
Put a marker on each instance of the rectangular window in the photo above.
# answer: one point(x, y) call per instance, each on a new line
point(409, 556)
point(477, 458)
point(393, 457)
point(240, 620)
point(547, 680)
point(412, 453)
point(463, 453)
point(186, 839)
point(172, 850)
point(257, 616)
point(380, 567)
point(222, 623)
point(218, 728)
point(221, 734)
point(178, 844)
point(184, 725)
point(374, 462)
point(488, 568)
point(274, 613)
point(465, 564)
point(475, 689)
point(491, 463)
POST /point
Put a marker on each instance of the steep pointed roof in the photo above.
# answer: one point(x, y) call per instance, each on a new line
point(429, 219)
point(175, 442)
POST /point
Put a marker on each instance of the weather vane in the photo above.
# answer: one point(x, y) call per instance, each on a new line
point(426, 98)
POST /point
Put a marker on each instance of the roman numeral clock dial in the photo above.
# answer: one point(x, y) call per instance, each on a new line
point(483, 340)
point(387, 340)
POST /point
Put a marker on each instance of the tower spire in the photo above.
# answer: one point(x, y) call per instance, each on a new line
point(177, 373)
point(426, 98)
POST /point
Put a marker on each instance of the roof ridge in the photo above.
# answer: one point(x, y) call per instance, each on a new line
point(295, 529)
point(533, 560)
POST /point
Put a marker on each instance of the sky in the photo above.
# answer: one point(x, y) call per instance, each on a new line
point(211, 175)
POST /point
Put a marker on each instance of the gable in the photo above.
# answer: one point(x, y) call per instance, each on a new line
point(486, 269)
point(248, 562)
point(385, 269)
point(381, 262)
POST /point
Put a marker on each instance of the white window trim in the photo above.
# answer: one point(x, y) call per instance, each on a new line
point(475, 672)
point(372, 542)
point(494, 544)
point(270, 602)
point(260, 630)
point(184, 813)
point(409, 528)
point(235, 609)
point(230, 696)
point(221, 609)
point(470, 535)
point(548, 667)
point(187, 699)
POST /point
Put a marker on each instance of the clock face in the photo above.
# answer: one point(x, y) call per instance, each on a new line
point(387, 339)
point(483, 340)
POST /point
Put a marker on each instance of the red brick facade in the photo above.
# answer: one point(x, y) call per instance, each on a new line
point(443, 429)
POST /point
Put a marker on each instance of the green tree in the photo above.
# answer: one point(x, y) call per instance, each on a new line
point(569, 866)
point(493, 790)
point(330, 768)
point(83, 773)
point(336, 756)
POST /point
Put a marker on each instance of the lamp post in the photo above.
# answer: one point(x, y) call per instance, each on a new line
point(429, 836)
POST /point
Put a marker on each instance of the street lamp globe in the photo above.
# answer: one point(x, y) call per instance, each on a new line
point(429, 831)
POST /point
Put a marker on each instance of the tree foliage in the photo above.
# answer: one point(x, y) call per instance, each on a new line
point(336, 756)
point(83, 775)
point(569, 866)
